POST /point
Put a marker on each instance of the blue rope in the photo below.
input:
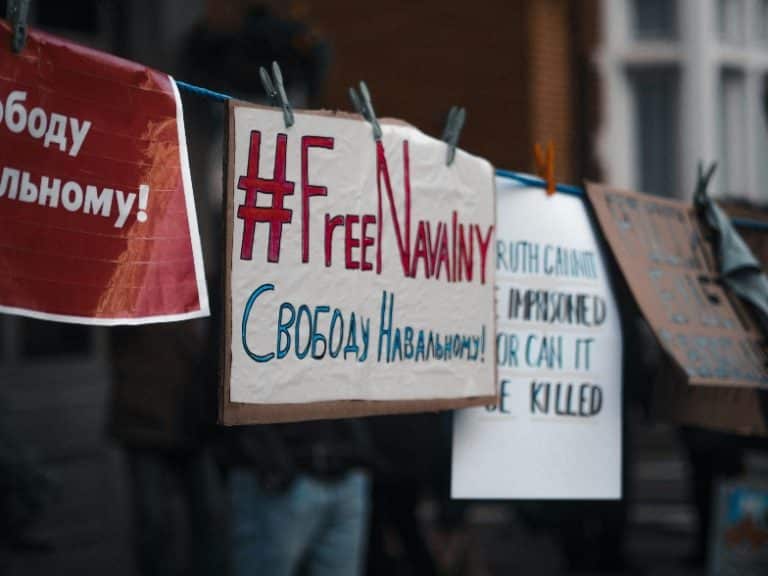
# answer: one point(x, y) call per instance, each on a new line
point(522, 178)
point(217, 96)
point(750, 224)
point(539, 183)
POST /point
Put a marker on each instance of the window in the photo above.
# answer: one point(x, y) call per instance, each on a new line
point(761, 22)
point(732, 129)
point(655, 91)
point(685, 82)
point(654, 19)
point(761, 138)
point(731, 22)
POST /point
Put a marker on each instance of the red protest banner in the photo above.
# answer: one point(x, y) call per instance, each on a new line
point(97, 217)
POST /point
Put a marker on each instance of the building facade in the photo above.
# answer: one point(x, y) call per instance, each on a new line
point(684, 81)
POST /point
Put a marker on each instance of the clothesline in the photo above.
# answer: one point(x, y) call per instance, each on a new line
point(746, 223)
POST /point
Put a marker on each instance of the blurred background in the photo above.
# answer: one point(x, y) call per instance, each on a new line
point(631, 92)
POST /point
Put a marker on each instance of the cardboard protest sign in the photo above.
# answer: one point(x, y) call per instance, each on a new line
point(556, 430)
point(97, 217)
point(671, 271)
point(734, 409)
point(359, 273)
point(728, 409)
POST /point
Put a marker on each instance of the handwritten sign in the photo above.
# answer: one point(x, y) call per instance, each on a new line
point(556, 429)
point(359, 273)
point(97, 217)
point(670, 268)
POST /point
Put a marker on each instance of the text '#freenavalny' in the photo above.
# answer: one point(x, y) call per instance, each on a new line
point(450, 250)
point(318, 332)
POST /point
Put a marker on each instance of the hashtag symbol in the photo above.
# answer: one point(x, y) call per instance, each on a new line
point(278, 187)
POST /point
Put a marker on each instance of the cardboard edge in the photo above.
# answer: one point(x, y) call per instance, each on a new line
point(235, 414)
point(226, 317)
point(723, 408)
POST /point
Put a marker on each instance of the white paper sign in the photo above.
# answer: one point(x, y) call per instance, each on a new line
point(556, 432)
point(359, 270)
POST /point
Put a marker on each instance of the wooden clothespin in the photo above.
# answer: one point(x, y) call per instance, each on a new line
point(545, 165)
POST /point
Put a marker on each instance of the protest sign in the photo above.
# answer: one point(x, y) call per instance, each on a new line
point(359, 273)
point(555, 432)
point(739, 540)
point(671, 270)
point(733, 409)
point(729, 409)
point(97, 217)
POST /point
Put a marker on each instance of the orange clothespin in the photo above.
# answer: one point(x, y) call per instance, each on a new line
point(545, 165)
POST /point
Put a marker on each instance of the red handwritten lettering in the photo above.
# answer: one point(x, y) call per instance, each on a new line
point(308, 190)
point(330, 226)
point(278, 187)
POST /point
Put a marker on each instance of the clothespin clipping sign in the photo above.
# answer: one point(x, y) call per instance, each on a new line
point(363, 105)
point(545, 165)
point(453, 126)
point(276, 91)
point(704, 178)
point(17, 14)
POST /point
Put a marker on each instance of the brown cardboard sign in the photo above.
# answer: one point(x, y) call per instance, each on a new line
point(359, 272)
point(727, 409)
point(670, 268)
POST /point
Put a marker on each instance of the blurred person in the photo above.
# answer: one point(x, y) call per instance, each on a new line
point(713, 456)
point(299, 493)
point(163, 407)
point(25, 492)
point(166, 379)
point(299, 498)
point(413, 458)
point(593, 534)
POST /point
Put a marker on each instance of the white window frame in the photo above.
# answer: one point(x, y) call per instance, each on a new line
point(700, 56)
